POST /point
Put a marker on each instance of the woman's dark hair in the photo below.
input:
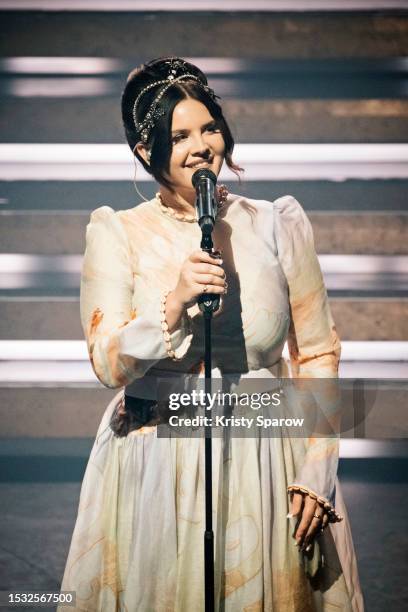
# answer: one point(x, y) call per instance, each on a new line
point(160, 141)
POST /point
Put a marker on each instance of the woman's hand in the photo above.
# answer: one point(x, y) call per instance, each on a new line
point(312, 519)
point(198, 271)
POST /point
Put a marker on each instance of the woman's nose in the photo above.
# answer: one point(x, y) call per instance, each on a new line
point(200, 146)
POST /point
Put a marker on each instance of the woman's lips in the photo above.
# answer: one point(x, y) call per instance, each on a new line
point(200, 165)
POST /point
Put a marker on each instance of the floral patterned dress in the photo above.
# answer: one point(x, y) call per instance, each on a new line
point(138, 539)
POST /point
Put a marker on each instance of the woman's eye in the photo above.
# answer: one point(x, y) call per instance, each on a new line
point(177, 138)
point(213, 128)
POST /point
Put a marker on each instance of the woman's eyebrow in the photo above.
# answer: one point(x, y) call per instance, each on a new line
point(182, 131)
point(209, 123)
point(185, 130)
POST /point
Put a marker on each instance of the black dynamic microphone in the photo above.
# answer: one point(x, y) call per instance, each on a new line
point(204, 182)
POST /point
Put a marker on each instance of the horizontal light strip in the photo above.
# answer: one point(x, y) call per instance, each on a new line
point(212, 66)
point(99, 162)
point(363, 264)
point(368, 449)
point(60, 65)
point(33, 264)
point(331, 264)
point(52, 373)
point(60, 87)
point(374, 369)
point(204, 5)
point(75, 350)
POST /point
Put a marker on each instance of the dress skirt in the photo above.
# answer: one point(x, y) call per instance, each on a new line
point(138, 540)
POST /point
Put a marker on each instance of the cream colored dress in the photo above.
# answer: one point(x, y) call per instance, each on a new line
point(138, 539)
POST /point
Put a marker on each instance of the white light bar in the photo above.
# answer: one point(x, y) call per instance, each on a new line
point(374, 351)
point(60, 87)
point(60, 65)
point(363, 264)
point(19, 263)
point(75, 350)
point(262, 162)
point(220, 66)
point(52, 373)
point(367, 449)
point(373, 369)
point(203, 5)
point(383, 350)
point(40, 350)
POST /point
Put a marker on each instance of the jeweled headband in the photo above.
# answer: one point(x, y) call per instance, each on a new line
point(154, 111)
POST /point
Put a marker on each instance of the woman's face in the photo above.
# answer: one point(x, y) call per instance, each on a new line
point(197, 142)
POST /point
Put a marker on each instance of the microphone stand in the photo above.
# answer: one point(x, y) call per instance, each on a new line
point(204, 181)
point(208, 303)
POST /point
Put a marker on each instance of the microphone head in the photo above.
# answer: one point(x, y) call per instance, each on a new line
point(203, 173)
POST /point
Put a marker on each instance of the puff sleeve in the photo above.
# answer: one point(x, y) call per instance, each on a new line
point(314, 345)
point(122, 345)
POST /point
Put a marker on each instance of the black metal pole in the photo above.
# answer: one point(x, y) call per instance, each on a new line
point(208, 304)
point(208, 534)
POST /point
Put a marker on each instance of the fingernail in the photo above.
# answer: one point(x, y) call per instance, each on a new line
point(220, 261)
point(290, 515)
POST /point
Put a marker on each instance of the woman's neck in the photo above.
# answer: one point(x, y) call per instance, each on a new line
point(181, 201)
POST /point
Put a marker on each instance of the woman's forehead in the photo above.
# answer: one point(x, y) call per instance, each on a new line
point(190, 113)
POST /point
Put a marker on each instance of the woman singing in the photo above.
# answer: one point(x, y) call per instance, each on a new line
point(280, 544)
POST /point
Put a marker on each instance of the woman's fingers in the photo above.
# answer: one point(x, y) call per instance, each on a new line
point(305, 520)
point(200, 256)
point(205, 268)
point(314, 527)
point(200, 273)
point(206, 288)
point(311, 520)
point(209, 279)
point(296, 505)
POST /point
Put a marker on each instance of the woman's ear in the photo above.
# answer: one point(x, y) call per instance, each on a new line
point(143, 151)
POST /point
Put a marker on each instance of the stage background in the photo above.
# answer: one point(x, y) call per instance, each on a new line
point(318, 103)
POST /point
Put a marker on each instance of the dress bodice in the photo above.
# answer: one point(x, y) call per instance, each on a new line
point(276, 292)
point(251, 328)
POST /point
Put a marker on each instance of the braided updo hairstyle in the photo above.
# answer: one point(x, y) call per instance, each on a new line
point(160, 142)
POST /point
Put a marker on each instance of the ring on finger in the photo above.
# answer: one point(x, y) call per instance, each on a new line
point(318, 517)
point(205, 289)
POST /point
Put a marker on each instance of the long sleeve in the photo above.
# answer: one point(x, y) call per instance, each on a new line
point(314, 345)
point(122, 343)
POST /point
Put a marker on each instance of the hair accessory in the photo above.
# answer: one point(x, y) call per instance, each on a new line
point(155, 111)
